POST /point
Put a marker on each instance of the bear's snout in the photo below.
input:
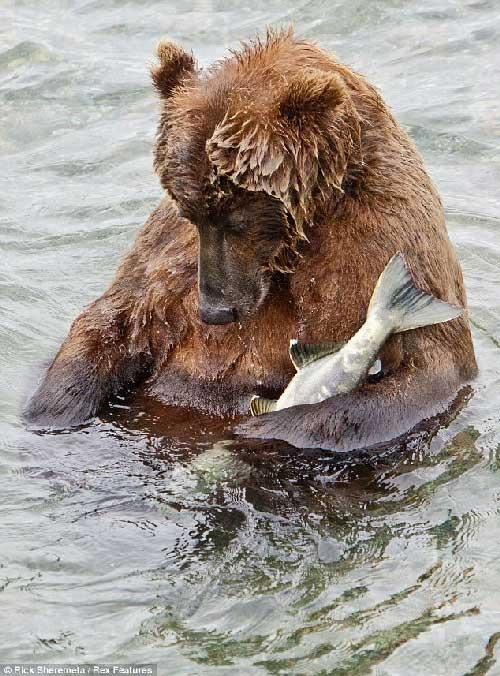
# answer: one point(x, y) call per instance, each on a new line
point(210, 314)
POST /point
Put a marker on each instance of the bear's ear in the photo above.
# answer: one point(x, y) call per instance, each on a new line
point(175, 66)
point(311, 92)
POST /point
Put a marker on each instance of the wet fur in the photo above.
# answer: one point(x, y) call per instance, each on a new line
point(308, 137)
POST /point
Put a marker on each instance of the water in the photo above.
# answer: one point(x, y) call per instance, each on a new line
point(117, 543)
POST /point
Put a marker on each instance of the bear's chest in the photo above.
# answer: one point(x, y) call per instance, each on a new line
point(218, 386)
point(218, 368)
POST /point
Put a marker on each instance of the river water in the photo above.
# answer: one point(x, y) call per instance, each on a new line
point(120, 542)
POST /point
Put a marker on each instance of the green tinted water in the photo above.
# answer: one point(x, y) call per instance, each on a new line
point(115, 545)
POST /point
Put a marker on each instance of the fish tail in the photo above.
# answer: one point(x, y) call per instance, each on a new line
point(408, 307)
point(261, 405)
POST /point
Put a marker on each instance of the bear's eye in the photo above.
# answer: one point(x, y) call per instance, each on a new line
point(235, 223)
point(186, 212)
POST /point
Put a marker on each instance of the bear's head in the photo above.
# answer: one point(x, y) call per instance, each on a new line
point(252, 151)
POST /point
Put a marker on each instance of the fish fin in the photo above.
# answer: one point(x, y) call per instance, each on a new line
point(303, 354)
point(408, 307)
point(376, 367)
point(261, 405)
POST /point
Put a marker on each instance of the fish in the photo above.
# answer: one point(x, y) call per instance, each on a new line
point(328, 369)
point(219, 463)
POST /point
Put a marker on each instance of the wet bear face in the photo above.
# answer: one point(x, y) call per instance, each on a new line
point(246, 160)
point(239, 234)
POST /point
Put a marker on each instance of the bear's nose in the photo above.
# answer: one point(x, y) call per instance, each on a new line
point(218, 315)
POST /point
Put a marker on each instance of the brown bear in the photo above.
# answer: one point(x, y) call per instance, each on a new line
point(288, 186)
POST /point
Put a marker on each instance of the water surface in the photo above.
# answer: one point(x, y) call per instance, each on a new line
point(118, 543)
